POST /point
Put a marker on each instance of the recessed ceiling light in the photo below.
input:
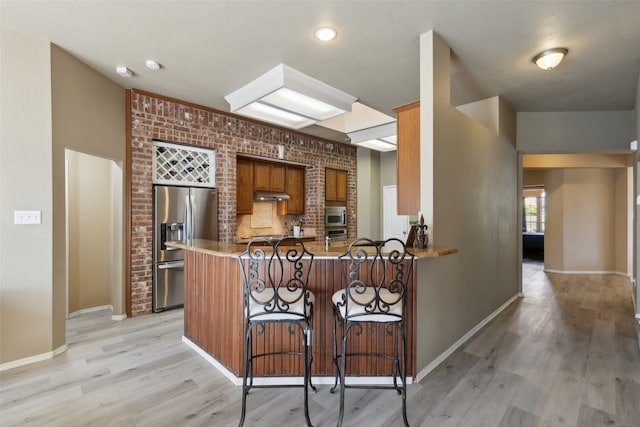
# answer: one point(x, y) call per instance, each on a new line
point(152, 65)
point(550, 58)
point(325, 34)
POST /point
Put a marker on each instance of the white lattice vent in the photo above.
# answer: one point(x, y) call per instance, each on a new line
point(179, 164)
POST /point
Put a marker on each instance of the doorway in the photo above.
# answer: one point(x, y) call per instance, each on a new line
point(393, 225)
point(94, 227)
point(533, 222)
point(586, 214)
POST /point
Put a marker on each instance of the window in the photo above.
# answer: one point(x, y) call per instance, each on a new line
point(533, 210)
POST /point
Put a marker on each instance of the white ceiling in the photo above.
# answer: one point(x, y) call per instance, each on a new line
point(210, 48)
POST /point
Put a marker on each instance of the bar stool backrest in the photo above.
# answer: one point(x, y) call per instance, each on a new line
point(376, 274)
point(275, 274)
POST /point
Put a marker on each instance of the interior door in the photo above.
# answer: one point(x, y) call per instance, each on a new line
point(394, 225)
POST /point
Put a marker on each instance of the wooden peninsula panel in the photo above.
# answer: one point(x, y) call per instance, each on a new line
point(214, 320)
point(212, 316)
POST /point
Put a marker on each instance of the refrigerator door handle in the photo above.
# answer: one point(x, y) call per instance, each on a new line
point(168, 265)
point(192, 215)
point(187, 216)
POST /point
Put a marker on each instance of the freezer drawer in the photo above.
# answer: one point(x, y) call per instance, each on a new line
point(168, 285)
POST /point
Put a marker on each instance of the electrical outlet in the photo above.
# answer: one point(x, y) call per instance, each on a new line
point(27, 217)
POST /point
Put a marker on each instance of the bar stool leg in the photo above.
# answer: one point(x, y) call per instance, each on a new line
point(245, 373)
point(307, 377)
point(343, 371)
point(396, 359)
point(309, 338)
point(335, 350)
point(404, 374)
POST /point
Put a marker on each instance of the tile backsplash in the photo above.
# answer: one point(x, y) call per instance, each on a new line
point(266, 221)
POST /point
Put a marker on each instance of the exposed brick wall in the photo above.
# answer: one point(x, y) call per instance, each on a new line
point(170, 120)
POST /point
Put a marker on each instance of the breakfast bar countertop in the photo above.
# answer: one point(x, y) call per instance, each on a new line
point(317, 248)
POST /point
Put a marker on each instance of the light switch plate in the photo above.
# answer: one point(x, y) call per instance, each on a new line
point(27, 217)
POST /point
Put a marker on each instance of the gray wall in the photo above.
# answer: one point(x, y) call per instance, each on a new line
point(25, 184)
point(473, 207)
point(637, 210)
point(369, 193)
point(574, 131)
point(88, 117)
point(375, 170)
point(49, 101)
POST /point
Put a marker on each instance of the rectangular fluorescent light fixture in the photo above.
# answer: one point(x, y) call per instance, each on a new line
point(124, 71)
point(289, 98)
point(267, 113)
point(377, 145)
point(379, 138)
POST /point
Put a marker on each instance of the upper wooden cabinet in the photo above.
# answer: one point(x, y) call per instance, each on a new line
point(278, 179)
point(295, 185)
point(268, 176)
point(341, 186)
point(258, 175)
point(335, 184)
point(244, 186)
point(408, 158)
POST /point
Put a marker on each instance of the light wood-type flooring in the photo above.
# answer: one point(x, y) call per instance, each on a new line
point(564, 355)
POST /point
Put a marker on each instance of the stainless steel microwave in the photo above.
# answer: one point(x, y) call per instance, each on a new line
point(335, 216)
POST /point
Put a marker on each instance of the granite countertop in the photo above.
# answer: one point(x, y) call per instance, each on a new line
point(304, 238)
point(316, 247)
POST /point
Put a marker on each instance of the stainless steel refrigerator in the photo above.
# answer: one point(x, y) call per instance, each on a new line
point(179, 213)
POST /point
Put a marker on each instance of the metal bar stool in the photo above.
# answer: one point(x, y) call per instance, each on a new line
point(275, 273)
point(376, 274)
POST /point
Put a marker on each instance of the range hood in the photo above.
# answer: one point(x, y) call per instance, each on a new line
point(270, 196)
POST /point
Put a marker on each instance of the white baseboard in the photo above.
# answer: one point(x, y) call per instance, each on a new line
point(115, 317)
point(441, 358)
point(91, 310)
point(323, 380)
point(219, 366)
point(33, 359)
point(549, 270)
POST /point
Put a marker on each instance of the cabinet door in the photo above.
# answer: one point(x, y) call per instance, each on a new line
point(408, 158)
point(330, 180)
point(244, 186)
point(341, 186)
point(277, 178)
point(261, 176)
point(295, 179)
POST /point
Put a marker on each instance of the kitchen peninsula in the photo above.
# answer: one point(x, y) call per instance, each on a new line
point(214, 316)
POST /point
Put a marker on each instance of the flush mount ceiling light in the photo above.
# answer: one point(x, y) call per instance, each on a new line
point(325, 34)
point(124, 71)
point(286, 97)
point(550, 58)
point(379, 138)
point(152, 65)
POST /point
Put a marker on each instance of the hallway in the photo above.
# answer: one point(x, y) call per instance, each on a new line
point(564, 355)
